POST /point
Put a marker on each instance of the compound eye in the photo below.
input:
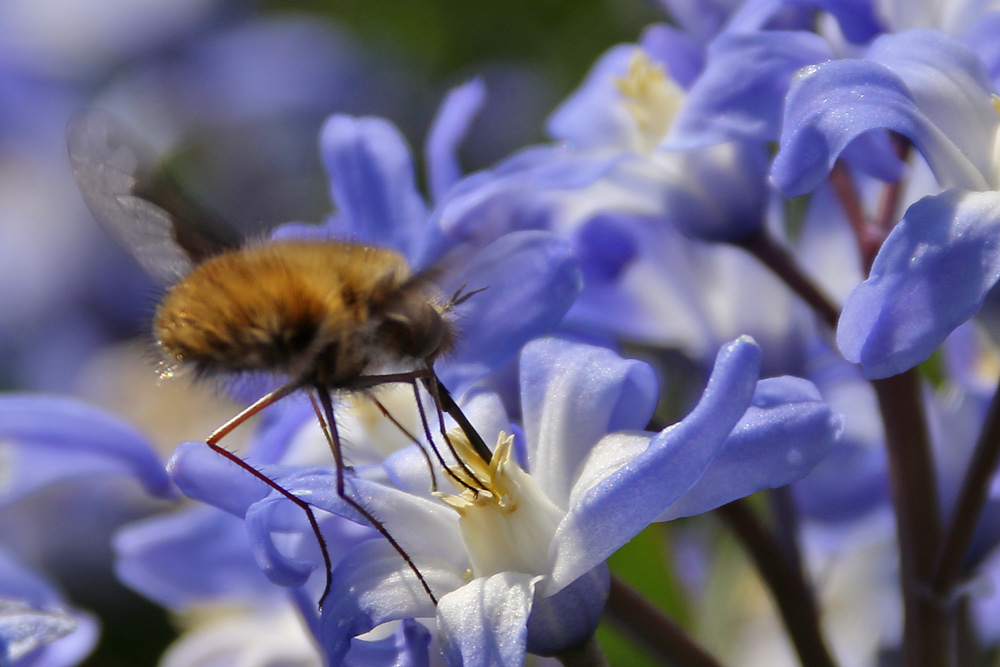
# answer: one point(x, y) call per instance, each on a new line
point(419, 337)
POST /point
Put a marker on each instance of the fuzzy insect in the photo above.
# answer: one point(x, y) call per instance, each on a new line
point(327, 315)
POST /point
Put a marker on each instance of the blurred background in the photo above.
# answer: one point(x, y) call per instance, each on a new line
point(243, 87)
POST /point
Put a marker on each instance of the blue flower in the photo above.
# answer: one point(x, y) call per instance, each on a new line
point(936, 266)
point(626, 204)
point(37, 627)
point(47, 441)
point(584, 481)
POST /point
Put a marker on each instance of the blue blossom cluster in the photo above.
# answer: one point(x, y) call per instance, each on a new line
point(794, 198)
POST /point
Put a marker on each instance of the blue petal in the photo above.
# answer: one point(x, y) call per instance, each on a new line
point(680, 52)
point(18, 582)
point(931, 274)
point(592, 117)
point(407, 647)
point(981, 38)
point(786, 431)
point(702, 18)
point(846, 485)
point(372, 181)
point(570, 617)
point(372, 585)
point(514, 196)
point(741, 93)
point(450, 126)
point(531, 280)
point(830, 105)
point(950, 86)
point(617, 500)
point(196, 555)
point(485, 622)
point(857, 18)
point(419, 524)
point(33, 619)
point(291, 562)
point(571, 395)
point(24, 629)
point(206, 475)
point(714, 193)
point(52, 439)
point(279, 568)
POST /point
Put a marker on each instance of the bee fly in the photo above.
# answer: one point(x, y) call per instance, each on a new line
point(328, 315)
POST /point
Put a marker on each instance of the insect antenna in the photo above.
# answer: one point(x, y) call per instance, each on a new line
point(329, 426)
point(213, 442)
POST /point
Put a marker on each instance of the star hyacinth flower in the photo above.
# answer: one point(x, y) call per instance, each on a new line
point(519, 565)
point(628, 205)
point(46, 441)
point(936, 266)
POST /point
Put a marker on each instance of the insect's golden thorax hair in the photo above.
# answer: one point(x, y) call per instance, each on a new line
point(324, 312)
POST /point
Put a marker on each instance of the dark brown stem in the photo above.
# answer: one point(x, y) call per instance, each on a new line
point(587, 655)
point(969, 506)
point(869, 237)
point(782, 264)
point(887, 214)
point(635, 615)
point(926, 635)
point(843, 186)
point(786, 524)
point(787, 584)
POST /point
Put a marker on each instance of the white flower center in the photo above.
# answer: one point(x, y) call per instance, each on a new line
point(651, 98)
point(508, 523)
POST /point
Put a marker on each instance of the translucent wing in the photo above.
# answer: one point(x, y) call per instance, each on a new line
point(137, 203)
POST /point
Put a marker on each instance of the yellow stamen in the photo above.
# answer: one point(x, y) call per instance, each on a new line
point(651, 97)
point(508, 522)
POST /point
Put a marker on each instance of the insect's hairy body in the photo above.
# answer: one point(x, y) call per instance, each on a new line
point(323, 313)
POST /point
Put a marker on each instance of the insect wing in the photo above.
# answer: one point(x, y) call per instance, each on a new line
point(136, 203)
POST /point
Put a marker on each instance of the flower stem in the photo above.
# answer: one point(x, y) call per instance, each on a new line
point(971, 500)
point(782, 264)
point(635, 615)
point(914, 497)
point(588, 654)
point(787, 583)
point(869, 237)
point(786, 524)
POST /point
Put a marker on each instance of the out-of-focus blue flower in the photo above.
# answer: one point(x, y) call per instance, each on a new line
point(46, 441)
point(936, 266)
point(626, 205)
point(37, 627)
point(627, 106)
point(575, 485)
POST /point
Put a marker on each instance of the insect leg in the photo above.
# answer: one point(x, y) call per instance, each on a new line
point(330, 429)
point(427, 457)
point(470, 475)
point(427, 375)
point(213, 440)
